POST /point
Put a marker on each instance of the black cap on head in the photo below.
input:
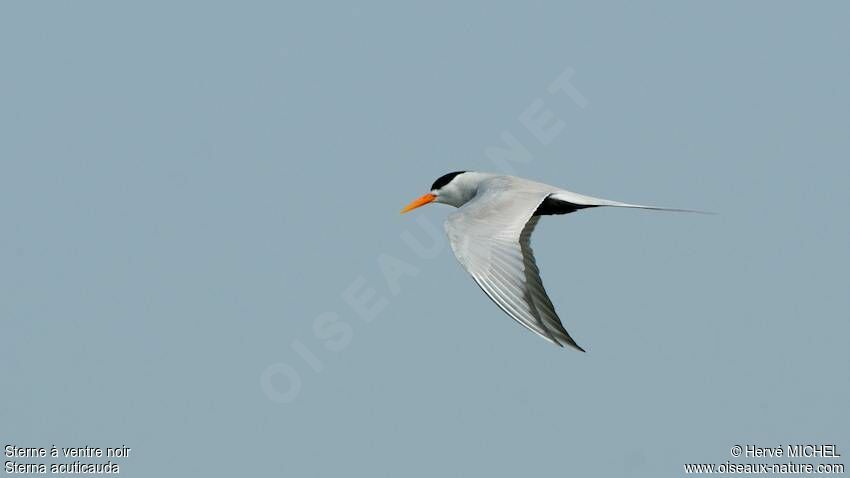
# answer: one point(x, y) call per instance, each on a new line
point(445, 179)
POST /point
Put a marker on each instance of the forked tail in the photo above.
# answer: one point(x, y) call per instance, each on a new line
point(589, 201)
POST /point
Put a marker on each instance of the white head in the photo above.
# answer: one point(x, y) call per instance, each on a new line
point(454, 189)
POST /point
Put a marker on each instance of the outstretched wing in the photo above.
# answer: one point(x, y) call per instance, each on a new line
point(490, 237)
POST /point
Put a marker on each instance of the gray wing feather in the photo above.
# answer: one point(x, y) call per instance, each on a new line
point(490, 236)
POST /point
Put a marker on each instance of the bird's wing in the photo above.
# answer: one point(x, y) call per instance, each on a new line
point(490, 237)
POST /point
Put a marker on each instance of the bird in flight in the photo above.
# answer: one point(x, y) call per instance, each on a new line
point(490, 235)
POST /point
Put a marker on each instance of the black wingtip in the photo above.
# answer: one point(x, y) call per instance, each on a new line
point(571, 343)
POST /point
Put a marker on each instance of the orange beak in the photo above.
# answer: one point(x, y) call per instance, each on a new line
point(419, 202)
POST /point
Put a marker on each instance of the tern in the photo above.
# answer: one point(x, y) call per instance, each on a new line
point(490, 235)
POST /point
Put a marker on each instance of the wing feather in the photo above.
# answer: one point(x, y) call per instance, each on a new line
point(490, 236)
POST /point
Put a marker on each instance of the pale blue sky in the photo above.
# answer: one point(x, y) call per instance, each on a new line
point(193, 194)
